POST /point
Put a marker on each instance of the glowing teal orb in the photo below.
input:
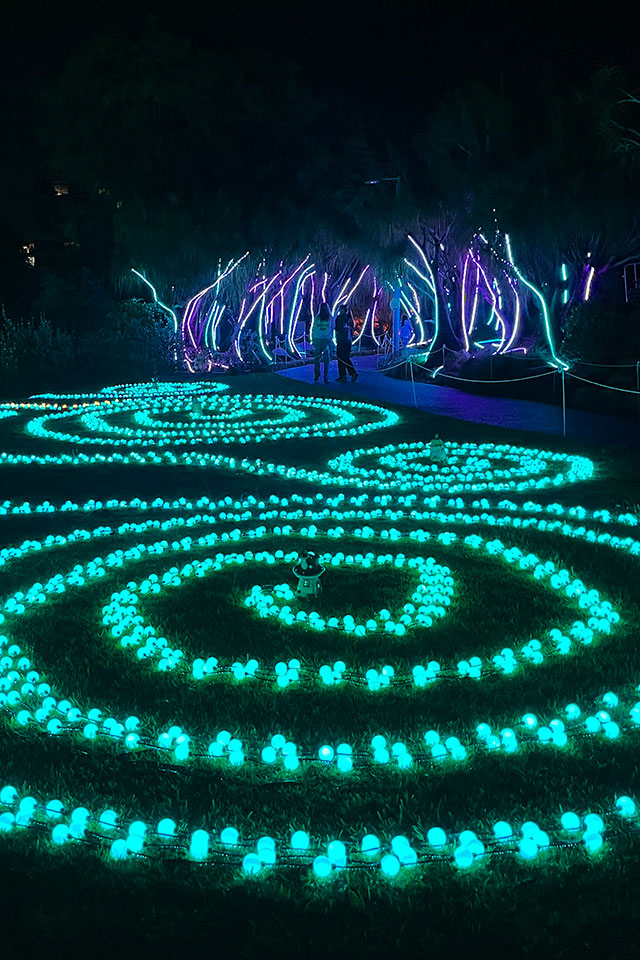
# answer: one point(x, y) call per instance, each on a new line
point(167, 827)
point(229, 836)
point(370, 845)
point(528, 848)
point(300, 841)
point(436, 837)
point(60, 834)
point(252, 864)
point(463, 857)
point(322, 866)
point(570, 821)
point(390, 865)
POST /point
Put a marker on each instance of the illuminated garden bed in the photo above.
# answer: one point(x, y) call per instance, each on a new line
point(478, 625)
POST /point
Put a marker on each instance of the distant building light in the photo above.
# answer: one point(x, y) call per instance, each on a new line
point(29, 250)
point(61, 189)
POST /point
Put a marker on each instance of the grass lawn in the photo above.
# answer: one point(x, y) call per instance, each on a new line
point(571, 897)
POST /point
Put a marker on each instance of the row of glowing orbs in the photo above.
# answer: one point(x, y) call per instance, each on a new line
point(203, 459)
point(467, 466)
point(137, 392)
point(343, 418)
point(14, 602)
point(54, 725)
point(122, 613)
point(434, 503)
point(144, 390)
point(465, 849)
point(579, 467)
point(177, 740)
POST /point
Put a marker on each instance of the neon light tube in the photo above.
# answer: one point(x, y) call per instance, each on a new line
point(416, 300)
point(191, 305)
point(214, 330)
point(288, 280)
point(431, 284)
point(337, 300)
point(293, 316)
point(543, 305)
point(516, 322)
point(494, 306)
point(423, 255)
point(463, 299)
point(591, 272)
point(474, 308)
point(155, 299)
point(243, 322)
point(261, 342)
point(346, 299)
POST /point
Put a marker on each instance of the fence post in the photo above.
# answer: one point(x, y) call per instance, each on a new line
point(415, 402)
point(564, 408)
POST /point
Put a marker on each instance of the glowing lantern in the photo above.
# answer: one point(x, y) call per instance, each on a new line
point(300, 841)
point(322, 866)
point(390, 865)
point(199, 846)
point(308, 571)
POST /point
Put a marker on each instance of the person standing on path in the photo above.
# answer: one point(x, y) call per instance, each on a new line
point(321, 342)
point(344, 336)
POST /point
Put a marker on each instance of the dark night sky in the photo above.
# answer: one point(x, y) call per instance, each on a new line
point(401, 51)
point(391, 61)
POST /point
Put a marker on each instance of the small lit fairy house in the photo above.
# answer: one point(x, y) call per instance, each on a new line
point(436, 450)
point(308, 570)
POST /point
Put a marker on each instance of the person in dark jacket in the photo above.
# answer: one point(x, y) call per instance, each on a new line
point(321, 342)
point(344, 338)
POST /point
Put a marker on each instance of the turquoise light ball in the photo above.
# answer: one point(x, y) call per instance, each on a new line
point(370, 845)
point(252, 864)
point(570, 821)
point(60, 834)
point(300, 840)
point(436, 837)
point(322, 866)
point(229, 836)
point(463, 857)
point(390, 865)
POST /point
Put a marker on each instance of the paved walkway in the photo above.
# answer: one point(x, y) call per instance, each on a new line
point(449, 402)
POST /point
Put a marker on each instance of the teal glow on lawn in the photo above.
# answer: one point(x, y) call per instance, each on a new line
point(211, 419)
point(466, 508)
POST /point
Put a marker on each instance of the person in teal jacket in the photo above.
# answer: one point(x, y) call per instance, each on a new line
point(321, 342)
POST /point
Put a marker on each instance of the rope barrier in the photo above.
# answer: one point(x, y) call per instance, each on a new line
point(535, 376)
point(605, 386)
point(585, 363)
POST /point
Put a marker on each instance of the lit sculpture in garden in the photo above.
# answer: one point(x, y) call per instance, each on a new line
point(309, 570)
point(437, 451)
point(268, 307)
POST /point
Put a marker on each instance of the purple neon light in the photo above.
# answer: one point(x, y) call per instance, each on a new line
point(242, 322)
point(588, 284)
point(463, 299)
point(494, 304)
point(516, 321)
